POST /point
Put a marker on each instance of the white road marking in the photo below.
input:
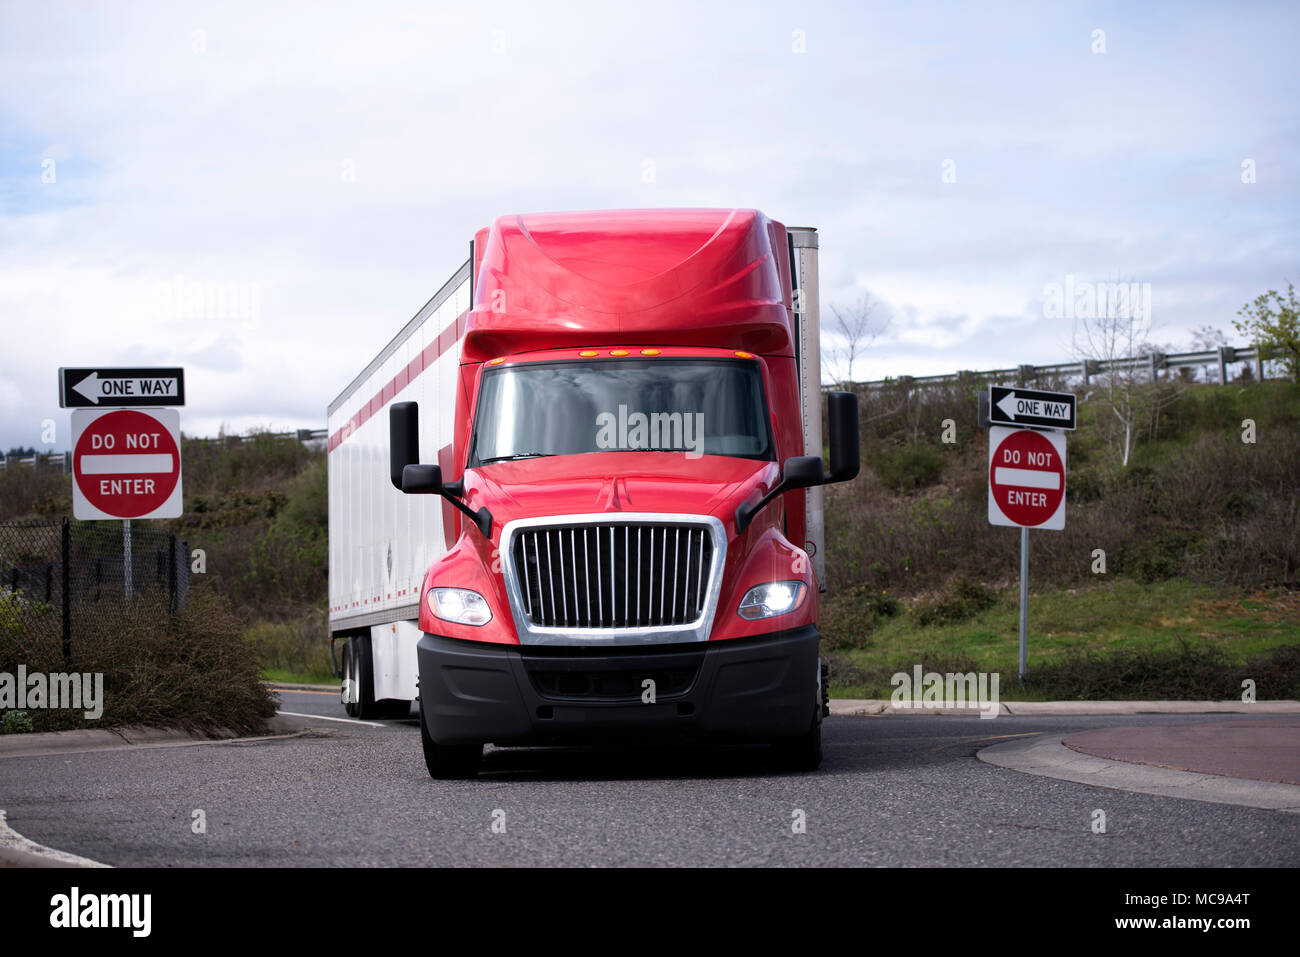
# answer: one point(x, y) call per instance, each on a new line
point(321, 717)
point(11, 840)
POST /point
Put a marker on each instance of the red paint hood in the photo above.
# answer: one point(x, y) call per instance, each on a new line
point(617, 482)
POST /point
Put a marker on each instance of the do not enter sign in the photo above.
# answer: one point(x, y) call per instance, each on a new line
point(126, 463)
point(1026, 478)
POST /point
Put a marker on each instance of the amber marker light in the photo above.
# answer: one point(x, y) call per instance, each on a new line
point(618, 352)
point(745, 355)
point(649, 352)
point(497, 361)
point(588, 353)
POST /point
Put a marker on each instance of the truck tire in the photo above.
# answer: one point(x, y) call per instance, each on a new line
point(803, 753)
point(358, 668)
point(348, 686)
point(449, 762)
point(365, 677)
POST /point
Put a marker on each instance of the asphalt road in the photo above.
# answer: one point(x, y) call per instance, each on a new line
point(892, 791)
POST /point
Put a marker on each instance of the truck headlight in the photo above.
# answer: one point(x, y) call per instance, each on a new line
point(459, 605)
point(771, 599)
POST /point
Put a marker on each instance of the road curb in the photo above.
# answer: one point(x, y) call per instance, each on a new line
point(131, 736)
point(872, 707)
point(1046, 756)
point(290, 686)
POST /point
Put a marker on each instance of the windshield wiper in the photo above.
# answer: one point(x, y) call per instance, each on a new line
point(517, 456)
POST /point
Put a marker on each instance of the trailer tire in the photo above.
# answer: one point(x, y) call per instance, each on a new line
point(394, 709)
point(449, 762)
point(348, 686)
point(365, 677)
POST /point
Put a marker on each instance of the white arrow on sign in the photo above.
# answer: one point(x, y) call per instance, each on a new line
point(92, 386)
point(1038, 408)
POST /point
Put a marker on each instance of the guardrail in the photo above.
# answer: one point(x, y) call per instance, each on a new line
point(1085, 369)
point(63, 460)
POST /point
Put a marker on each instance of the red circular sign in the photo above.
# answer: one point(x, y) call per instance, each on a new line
point(126, 463)
point(1027, 478)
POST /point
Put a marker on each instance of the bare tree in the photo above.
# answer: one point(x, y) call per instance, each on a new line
point(849, 334)
point(1115, 327)
point(1206, 339)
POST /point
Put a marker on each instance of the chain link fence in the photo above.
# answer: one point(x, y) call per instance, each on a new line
point(54, 574)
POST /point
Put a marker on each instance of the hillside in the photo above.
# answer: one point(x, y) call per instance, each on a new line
point(1201, 535)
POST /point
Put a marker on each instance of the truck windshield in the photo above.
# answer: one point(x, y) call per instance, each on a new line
point(696, 406)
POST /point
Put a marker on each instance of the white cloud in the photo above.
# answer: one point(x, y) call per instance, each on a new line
point(224, 167)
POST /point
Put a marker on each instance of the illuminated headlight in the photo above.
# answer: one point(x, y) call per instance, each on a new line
point(772, 599)
point(459, 605)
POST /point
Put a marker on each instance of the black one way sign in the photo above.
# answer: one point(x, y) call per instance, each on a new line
point(108, 388)
point(1014, 406)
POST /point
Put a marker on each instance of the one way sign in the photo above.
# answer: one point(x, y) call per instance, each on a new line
point(1015, 406)
point(104, 388)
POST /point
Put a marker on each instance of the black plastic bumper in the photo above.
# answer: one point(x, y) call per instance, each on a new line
point(757, 689)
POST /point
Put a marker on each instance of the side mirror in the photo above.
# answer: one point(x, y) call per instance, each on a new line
point(422, 480)
point(403, 441)
point(842, 411)
point(803, 471)
point(799, 471)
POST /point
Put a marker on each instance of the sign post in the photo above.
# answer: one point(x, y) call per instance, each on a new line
point(128, 573)
point(1027, 474)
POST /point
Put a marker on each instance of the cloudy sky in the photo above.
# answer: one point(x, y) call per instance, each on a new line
point(265, 196)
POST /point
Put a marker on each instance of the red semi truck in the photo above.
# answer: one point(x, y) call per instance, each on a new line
point(577, 497)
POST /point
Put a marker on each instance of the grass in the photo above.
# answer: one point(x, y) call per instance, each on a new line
point(1105, 620)
point(286, 677)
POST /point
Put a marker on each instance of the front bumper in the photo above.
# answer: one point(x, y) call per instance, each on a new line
point(763, 688)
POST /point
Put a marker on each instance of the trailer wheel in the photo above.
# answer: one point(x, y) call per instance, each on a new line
point(348, 686)
point(449, 762)
point(365, 678)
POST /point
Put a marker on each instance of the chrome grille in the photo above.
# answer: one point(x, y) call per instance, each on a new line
point(613, 575)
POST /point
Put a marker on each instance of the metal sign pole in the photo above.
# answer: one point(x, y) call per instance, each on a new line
point(1024, 602)
point(127, 575)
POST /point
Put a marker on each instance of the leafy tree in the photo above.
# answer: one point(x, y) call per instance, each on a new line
point(1272, 322)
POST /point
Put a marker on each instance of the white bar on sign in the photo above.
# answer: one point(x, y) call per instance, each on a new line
point(125, 464)
point(1027, 478)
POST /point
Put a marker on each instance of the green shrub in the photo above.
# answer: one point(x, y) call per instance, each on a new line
point(1196, 672)
point(16, 722)
point(964, 599)
point(188, 669)
point(297, 647)
point(913, 466)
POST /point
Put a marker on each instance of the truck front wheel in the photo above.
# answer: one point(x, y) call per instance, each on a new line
point(803, 753)
point(449, 761)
